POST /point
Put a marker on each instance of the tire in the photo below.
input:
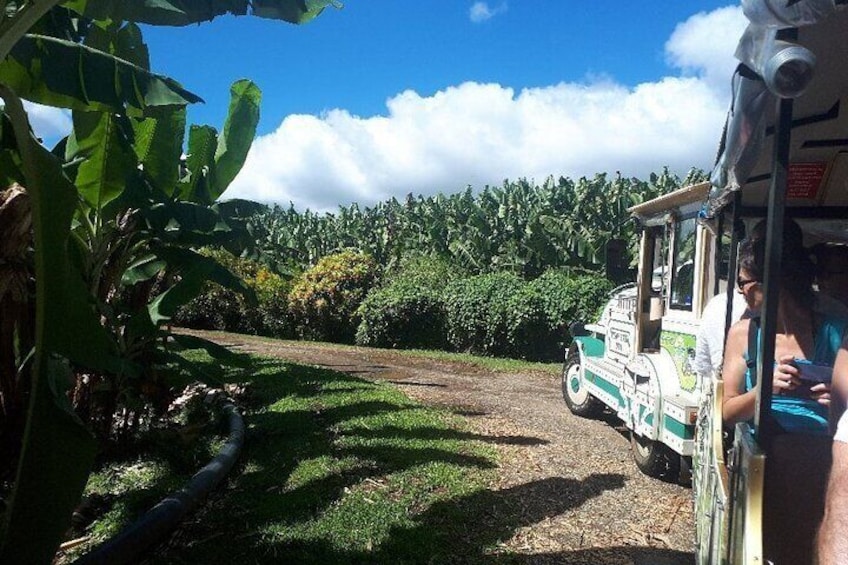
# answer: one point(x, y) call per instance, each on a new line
point(574, 392)
point(685, 476)
point(654, 459)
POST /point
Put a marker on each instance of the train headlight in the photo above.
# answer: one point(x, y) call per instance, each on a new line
point(788, 70)
point(785, 67)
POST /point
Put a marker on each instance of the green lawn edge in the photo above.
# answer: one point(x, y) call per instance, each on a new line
point(337, 469)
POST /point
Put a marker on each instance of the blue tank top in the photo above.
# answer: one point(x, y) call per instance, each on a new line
point(805, 415)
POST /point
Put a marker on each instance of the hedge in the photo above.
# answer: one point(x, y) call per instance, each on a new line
point(217, 308)
point(325, 299)
point(420, 305)
point(567, 299)
point(477, 313)
point(501, 315)
point(409, 311)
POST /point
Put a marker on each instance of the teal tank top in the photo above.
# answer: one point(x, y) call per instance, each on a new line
point(804, 415)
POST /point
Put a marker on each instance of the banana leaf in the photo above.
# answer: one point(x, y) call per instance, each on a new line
point(185, 12)
point(57, 451)
point(194, 271)
point(61, 73)
point(159, 145)
point(237, 136)
point(214, 161)
point(104, 141)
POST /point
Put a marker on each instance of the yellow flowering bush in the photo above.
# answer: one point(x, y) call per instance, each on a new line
point(324, 300)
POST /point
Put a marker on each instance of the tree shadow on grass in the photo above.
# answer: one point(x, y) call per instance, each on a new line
point(302, 436)
point(260, 498)
point(463, 530)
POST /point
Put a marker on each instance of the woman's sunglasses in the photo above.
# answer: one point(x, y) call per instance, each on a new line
point(742, 283)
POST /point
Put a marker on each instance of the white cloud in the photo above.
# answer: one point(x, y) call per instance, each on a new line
point(480, 11)
point(477, 134)
point(704, 45)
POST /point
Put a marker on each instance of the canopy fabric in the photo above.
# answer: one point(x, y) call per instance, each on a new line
point(820, 115)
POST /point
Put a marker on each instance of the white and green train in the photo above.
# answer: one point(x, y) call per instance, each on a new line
point(636, 359)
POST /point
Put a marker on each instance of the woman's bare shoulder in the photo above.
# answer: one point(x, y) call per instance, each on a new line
point(739, 331)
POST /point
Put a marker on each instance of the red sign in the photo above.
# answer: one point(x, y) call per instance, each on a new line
point(804, 179)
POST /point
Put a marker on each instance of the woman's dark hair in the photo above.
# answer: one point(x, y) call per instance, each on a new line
point(797, 269)
point(750, 260)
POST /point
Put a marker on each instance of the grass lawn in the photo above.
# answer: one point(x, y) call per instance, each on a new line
point(336, 470)
point(495, 364)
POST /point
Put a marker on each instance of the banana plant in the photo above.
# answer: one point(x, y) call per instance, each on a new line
point(519, 226)
point(57, 450)
point(18, 16)
point(110, 211)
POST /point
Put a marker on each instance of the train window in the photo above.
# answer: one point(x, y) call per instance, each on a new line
point(683, 279)
point(659, 271)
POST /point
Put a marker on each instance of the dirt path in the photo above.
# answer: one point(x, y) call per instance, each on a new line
point(584, 498)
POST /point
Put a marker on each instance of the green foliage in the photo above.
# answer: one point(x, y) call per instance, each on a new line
point(408, 311)
point(57, 451)
point(220, 308)
point(527, 332)
point(518, 227)
point(112, 214)
point(325, 299)
point(567, 298)
point(478, 312)
point(501, 315)
point(426, 270)
point(180, 13)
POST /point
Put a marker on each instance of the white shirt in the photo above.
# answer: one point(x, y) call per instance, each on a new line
point(842, 428)
point(709, 343)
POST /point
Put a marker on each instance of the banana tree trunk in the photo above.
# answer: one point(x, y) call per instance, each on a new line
point(16, 318)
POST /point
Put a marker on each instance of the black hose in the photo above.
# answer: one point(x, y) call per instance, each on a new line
point(131, 543)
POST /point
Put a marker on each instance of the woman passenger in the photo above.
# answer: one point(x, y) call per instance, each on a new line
point(805, 334)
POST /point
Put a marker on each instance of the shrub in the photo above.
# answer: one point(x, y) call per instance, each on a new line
point(408, 311)
point(423, 270)
point(477, 309)
point(567, 298)
point(324, 300)
point(527, 332)
point(272, 314)
point(217, 308)
point(499, 314)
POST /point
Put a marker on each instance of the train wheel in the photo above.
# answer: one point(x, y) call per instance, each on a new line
point(574, 391)
point(653, 458)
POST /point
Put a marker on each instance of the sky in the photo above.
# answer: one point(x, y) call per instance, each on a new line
point(383, 98)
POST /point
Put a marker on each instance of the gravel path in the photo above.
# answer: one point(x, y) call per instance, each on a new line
point(583, 499)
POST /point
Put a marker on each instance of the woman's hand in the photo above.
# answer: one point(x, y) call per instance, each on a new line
point(785, 376)
point(821, 393)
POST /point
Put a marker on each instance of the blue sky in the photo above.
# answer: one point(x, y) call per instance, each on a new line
point(370, 50)
point(386, 97)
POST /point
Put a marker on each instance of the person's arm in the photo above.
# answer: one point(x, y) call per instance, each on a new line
point(832, 540)
point(738, 404)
